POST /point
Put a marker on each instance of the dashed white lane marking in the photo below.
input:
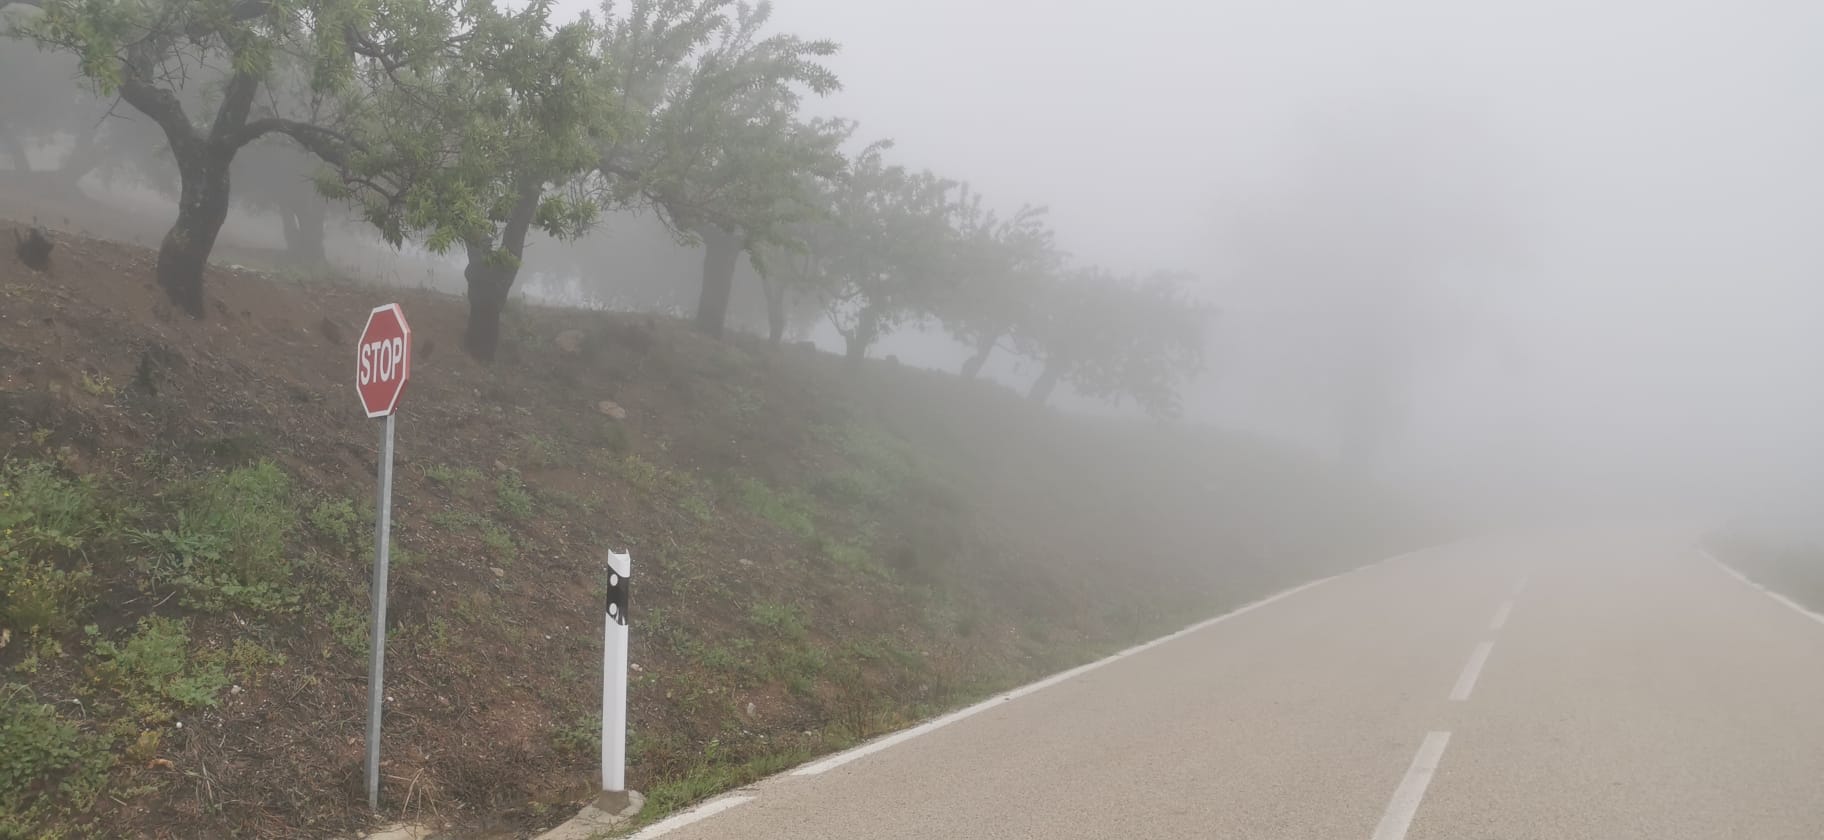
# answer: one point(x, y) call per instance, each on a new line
point(701, 812)
point(1411, 792)
point(1501, 615)
point(934, 724)
point(1466, 682)
point(1793, 605)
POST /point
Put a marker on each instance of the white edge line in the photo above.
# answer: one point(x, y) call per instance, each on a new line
point(904, 735)
point(701, 812)
point(1501, 615)
point(1794, 605)
point(1466, 682)
point(1406, 798)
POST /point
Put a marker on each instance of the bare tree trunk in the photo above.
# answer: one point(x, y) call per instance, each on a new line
point(491, 272)
point(1046, 383)
point(489, 282)
point(984, 347)
point(303, 218)
point(15, 149)
point(202, 207)
point(775, 308)
point(721, 250)
point(857, 342)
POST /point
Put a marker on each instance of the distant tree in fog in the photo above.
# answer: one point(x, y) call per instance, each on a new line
point(1115, 338)
point(713, 141)
point(999, 267)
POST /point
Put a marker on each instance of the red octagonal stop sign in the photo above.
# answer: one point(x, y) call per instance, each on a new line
point(383, 360)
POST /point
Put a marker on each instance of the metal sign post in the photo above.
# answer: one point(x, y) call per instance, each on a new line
point(383, 363)
point(376, 661)
point(614, 675)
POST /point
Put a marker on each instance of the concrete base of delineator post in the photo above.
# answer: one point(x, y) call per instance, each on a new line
point(609, 811)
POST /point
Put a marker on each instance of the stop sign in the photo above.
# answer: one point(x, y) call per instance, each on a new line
point(383, 360)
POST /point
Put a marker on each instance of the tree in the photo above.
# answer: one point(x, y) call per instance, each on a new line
point(481, 146)
point(1114, 338)
point(999, 267)
point(155, 52)
point(716, 147)
point(882, 255)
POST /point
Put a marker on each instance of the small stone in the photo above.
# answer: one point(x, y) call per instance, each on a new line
point(750, 708)
point(234, 689)
point(635, 666)
point(499, 572)
point(745, 562)
point(612, 409)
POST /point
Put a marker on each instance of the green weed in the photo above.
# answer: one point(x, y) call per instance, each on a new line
point(499, 542)
point(785, 620)
point(228, 549)
point(791, 511)
point(46, 763)
point(338, 520)
point(46, 521)
point(154, 673)
point(712, 774)
point(451, 476)
point(698, 507)
point(580, 737)
point(542, 451)
point(514, 499)
point(98, 385)
point(854, 557)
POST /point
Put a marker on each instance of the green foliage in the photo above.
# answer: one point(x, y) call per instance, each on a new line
point(853, 557)
point(1117, 338)
point(338, 520)
point(709, 135)
point(784, 620)
point(155, 674)
point(698, 507)
point(499, 542)
point(452, 476)
point(249, 660)
point(46, 522)
point(514, 499)
point(788, 510)
point(227, 550)
point(46, 763)
point(580, 737)
point(712, 773)
point(351, 628)
point(542, 451)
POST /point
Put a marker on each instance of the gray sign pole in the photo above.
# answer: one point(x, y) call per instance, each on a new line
point(376, 668)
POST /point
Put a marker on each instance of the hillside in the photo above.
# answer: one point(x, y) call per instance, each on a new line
point(822, 553)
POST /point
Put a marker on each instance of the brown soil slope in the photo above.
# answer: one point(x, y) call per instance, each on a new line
point(821, 553)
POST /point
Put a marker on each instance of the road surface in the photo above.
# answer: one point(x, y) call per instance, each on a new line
point(1596, 686)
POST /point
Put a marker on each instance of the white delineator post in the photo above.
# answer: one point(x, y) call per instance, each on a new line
point(614, 675)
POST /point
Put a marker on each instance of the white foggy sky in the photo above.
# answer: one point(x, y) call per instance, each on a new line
point(1652, 170)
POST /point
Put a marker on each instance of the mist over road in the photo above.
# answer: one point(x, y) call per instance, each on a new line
point(1578, 685)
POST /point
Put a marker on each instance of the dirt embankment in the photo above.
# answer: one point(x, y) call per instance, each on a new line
point(822, 553)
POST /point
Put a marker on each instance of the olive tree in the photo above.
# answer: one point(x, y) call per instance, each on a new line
point(199, 68)
point(714, 143)
point(1116, 338)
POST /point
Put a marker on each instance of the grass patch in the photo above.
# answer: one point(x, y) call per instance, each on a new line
point(228, 548)
point(789, 510)
point(154, 674)
point(854, 557)
point(48, 764)
point(714, 773)
point(784, 620)
point(542, 451)
point(515, 500)
point(499, 542)
point(338, 520)
point(47, 520)
point(447, 475)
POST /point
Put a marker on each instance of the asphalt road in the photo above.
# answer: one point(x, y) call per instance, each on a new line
point(1594, 685)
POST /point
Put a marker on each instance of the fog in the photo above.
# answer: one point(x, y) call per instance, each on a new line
point(1538, 259)
point(1557, 258)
